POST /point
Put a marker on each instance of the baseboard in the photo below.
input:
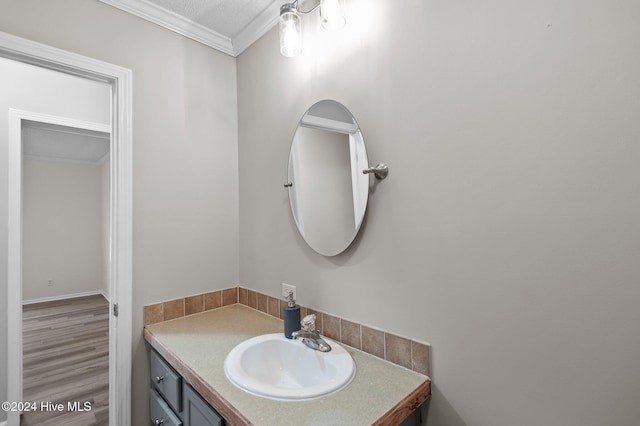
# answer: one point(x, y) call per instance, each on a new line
point(65, 296)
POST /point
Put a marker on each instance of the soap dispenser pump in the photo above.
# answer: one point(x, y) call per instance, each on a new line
point(291, 316)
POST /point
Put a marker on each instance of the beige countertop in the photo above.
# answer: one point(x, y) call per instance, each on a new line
point(197, 345)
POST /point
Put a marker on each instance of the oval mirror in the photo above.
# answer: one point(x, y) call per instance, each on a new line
point(328, 192)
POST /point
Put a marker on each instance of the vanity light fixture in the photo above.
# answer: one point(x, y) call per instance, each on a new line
point(331, 14)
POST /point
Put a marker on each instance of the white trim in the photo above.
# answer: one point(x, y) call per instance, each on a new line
point(266, 20)
point(14, 272)
point(66, 122)
point(97, 162)
point(120, 285)
point(174, 22)
point(62, 121)
point(152, 12)
point(104, 134)
point(64, 297)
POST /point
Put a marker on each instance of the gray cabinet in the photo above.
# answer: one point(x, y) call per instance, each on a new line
point(166, 381)
point(161, 414)
point(197, 412)
point(173, 402)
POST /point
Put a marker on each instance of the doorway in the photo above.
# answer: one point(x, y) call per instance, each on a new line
point(120, 271)
point(65, 271)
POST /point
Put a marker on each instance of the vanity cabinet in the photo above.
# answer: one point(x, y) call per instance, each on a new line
point(161, 414)
point(173, 402)
point(197, 412)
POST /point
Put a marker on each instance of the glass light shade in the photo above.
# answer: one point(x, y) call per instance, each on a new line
point(332, 14)
point(290, 32)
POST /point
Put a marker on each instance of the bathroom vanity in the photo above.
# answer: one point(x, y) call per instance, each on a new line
point(174, 402)
point(188, 378)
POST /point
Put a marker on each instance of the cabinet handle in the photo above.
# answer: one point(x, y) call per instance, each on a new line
point(159, 379)
point(159, 422)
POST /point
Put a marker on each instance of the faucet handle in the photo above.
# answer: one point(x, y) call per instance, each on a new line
point(308, 323)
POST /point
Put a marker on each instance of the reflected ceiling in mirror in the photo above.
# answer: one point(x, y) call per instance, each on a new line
point(328, 192)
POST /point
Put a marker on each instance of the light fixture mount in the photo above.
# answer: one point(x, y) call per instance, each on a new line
point(332, 16)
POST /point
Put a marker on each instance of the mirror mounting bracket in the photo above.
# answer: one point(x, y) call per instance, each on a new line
point(380, 171)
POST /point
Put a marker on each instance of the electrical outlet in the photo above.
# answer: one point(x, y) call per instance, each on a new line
point(50, 282)
point(286, 288)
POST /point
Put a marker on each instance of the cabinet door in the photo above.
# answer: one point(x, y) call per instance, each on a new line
point(161, 414)
point(166, 381)
point(196, 410)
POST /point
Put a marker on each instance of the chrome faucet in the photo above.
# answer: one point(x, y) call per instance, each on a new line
point(310, 336)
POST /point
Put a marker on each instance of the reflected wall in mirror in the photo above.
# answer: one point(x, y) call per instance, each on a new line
point(327, 190)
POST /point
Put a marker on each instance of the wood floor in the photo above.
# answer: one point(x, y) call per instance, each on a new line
point(66, 360)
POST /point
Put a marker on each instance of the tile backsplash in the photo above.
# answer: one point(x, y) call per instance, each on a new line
point(399, 350)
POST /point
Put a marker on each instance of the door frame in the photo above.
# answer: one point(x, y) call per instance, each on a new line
point(120, 268)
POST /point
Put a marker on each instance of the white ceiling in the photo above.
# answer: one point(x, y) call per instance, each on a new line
point(51, 142)
point(230, 26)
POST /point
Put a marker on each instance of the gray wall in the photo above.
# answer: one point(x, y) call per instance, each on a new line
point(61, 229)
point(507, 233)
point(185, 190)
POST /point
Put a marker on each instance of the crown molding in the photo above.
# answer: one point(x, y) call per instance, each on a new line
point(174, 22)
point(258, 27)
point(151, 12)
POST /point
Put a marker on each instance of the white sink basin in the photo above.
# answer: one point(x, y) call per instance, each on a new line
point(275, 367)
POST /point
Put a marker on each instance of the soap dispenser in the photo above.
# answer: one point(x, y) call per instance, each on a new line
point(291, 316)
